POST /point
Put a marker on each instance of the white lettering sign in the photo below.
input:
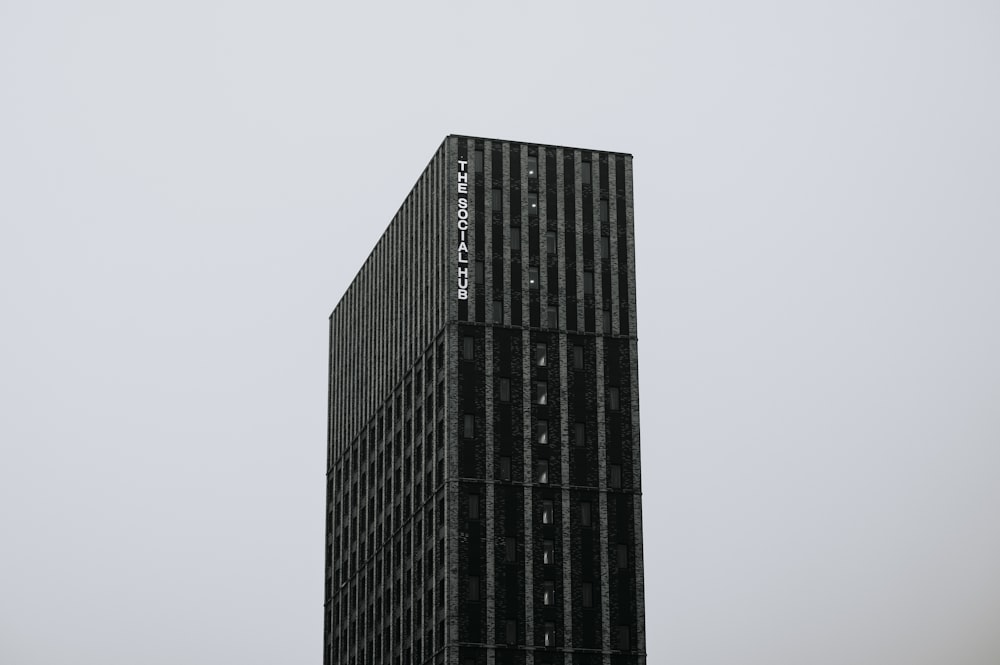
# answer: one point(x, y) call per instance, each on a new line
point(463, 228)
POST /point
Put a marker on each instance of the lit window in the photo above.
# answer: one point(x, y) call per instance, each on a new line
point(548, 593)
point(533, 277)
point(613, 399)
point(548, 552)
point(532, 166)
point(541, 351)
point(577, 357)
point(587, 591)
point(585, 513)
point(615, 475)
point(547, 512)
point(542, 432)
point(579, 434)
point(550, 242)
point(468, 347)
point(469, 426)
point(588, 282)
point(542, 471)
point(549, 634)
point(541, 392)
point(504, 390)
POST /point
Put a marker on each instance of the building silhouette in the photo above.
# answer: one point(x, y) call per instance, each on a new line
point(483, 487)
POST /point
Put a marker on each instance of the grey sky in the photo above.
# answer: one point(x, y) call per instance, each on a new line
point(186, 189)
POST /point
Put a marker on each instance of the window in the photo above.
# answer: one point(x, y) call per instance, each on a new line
point(579, 434)
point(468, 347)
point(548, 552)
point(622, 635)
point(480, 273)
point(605, 211)
point(542, 471)
point(586, 173)
point(532, 166)
point(577, 357)
point(588, 282)
point(469, 426)
point(510, 632)
point(515, 241)
point(606, 320)
point(497, 311)
point(605, 247)
point(532, 203)
point(615, 476)
point(497, 200)
point(473, 500)
point(504, 468)
point(541, 352)
point(548, 593)
point(533, 277)
point(547, 512)
point(542, 432)
point(504, 389)
point(510, 549)
point(541, 392)
point(587, 591)
point(550, 242)
point(473, 586)
point(553, 316)
point(613, 399)
point(621, 552)
point(477, 161)
point(549, 634)
point(585, 513)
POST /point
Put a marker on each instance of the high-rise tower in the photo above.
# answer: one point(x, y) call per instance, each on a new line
point(483, 481)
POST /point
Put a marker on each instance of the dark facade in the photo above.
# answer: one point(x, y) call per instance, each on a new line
point(483, 488)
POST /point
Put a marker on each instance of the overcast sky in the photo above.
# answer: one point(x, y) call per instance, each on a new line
point(187, 188)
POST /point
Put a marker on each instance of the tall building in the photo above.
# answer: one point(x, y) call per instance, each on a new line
point(483, 485)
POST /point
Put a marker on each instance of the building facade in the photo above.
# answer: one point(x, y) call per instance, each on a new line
point(483, 483)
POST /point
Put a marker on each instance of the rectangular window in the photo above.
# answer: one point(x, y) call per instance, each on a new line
point(468, 347)
point(577, 357)
point(497, 311)
point(553, 316)
point(588, 282)
point(541, 392)
point(587, 591)
point(549, 634)
point(579, 434)
point(510, 549)
point(515, 241)
point(510, 632)
point(548, 552)
point(542, 471)
point(550, 242)
point(473, 594)
point(541, 354)
point(548, 512)
point(615, 476)
point(606, 321)
point(622, 633)
point(605, 247)
point(605, 211)
point(621, 552)
point(504, 389)
point(477, 161)
point(469, 426)
point(533, 282)
point(548, 593)
point(473, 500)
point(504, 468)
point(613, 399)
point(532, 166)
point(497, 200)
point(532, 203)
point(586, 173)
point(480, 273)
point(542, 432)
point(585, 513)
